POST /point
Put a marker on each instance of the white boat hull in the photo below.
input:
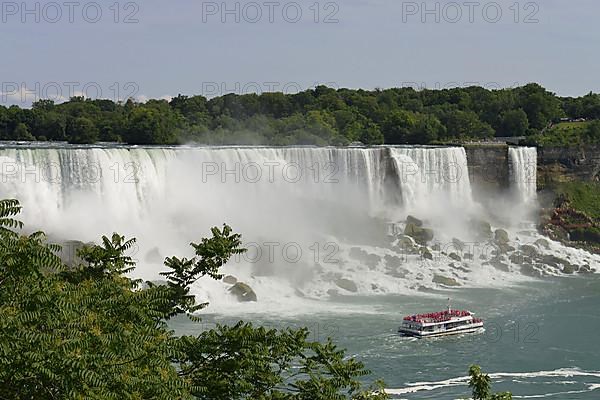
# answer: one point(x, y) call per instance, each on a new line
point(474, 328)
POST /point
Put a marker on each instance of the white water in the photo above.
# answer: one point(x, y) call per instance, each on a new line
point(523, 173)
point(439, 173)
point(128, 184)
point(463, 381)
point(302, 212)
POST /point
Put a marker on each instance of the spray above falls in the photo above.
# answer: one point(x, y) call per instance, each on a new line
point(129, 181)
point(316, 220)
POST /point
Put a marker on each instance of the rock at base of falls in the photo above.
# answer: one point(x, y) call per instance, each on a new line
point(243, 292)
point(529, 270)
point(426, 254)
point(415, 221)
point(520, 258)
point(459, 267)
point(458, 244)
point(393, 267)
point(370, 260)
point(482, 230)
point(569, 269)
point(502, 248)
point(529, 250)
point(499, 265)
point(553, 261)
point(501, 236)
point(586, 269)
point(455, 257)
point(346, 284)
point(442, 280)
point(230, 279)
point(424, 289)
point(393, 262)
point(406, 245)
point(421, 235)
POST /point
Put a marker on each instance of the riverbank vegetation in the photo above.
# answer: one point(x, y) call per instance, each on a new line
point(575, 216)
point(568, 134)
point(584, 196)
point(320, 116)
point(481, 384)
point(85, 330)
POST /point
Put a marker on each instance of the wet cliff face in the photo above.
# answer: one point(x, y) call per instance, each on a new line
point(568, 196)
point(563, 164)
point(488, 169)
point(490, 173)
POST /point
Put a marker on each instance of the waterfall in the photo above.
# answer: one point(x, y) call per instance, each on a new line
point(127, 183)
point(523, 173)
point(433, 172)
point(82, 192)
point(309, 216)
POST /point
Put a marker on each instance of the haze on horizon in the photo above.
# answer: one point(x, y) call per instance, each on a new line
point(157, 49)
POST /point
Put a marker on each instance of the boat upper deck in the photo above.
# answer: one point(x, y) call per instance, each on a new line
point(441, 317)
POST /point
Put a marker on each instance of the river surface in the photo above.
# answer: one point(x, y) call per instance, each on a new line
point(541, 339)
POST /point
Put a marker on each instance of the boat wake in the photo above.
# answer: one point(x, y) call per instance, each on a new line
point(588, 381)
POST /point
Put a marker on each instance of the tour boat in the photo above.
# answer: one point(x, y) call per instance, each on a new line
point(443, 323)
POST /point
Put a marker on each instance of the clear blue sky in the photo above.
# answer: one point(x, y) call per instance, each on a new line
point(183, 46)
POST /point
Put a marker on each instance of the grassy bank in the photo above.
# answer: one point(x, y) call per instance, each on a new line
point(575, 219)
point(582, 196)
point(568, 134)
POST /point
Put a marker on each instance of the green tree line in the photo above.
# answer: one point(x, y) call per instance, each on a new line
point(320, 116)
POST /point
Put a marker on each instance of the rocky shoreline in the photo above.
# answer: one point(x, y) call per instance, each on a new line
point(571, 227)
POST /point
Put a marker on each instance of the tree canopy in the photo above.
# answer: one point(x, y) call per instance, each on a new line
point(319, 116)
point(87, 331)
point(481, 384)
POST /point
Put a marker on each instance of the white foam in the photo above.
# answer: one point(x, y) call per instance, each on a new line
point(464, 380)
point(523, 173)
point(169, 197)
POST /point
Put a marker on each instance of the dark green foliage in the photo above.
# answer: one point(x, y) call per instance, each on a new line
point(81, 333)
point(320, 116)
point(243, 362)
point(582, 196)
point(514, 123)
point(587, 107)
point(154, 123)
point(48, 124)
point(482, 386)
point(81, 130)
point(21, 132)
point(592, 132)
point(540, 105)
point(569, 134)
point(211, 254)
point(89, 332)
point(465, 124)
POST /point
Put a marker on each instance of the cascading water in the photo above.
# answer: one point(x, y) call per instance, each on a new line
point(127, 180)
point(523, 173)
point(427, 172)
point(314, 219)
